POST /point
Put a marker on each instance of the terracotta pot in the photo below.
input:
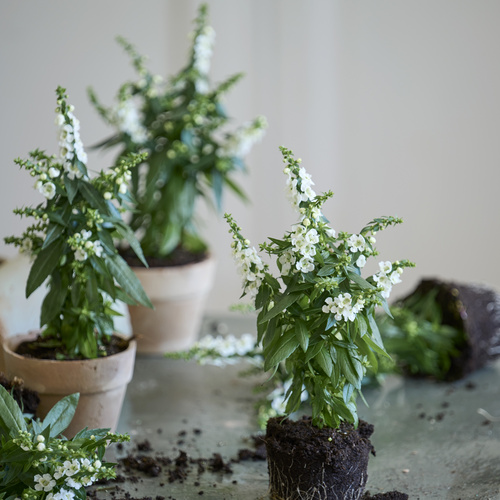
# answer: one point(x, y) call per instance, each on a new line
point(308, 463)
point(101, 382)
point(178, 294)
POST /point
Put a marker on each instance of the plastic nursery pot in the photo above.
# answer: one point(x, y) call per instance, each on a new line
point(309, 463)
point(178, 294)
point(101, 382)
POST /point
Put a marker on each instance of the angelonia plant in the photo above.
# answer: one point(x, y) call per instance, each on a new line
point(71, 242)
point(191, 154)
point(316, 318)
point(38, 463)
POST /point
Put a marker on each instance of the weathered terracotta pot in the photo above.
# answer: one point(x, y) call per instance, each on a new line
point(101, 382)
point(178, 294)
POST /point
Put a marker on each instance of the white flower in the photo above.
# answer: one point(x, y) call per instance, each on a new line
point(64, 495)
point(385, 267)
point(86, 234)
point(356, 243)
point(361, 261)
point(54, 172)
point(40, 446)
point(44, 483)
point(80, 255)
point(48, 189)
point(71, 468)
point(342, 307)
point(97, 464)
point(98, 248)
point(305, 265)
point(73, 484)
point(329, 304)
point(395, 276)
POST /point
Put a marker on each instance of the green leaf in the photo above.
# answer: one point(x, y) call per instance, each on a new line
point(71, 186)
point(280, 350)
point(54, 231)
point(93, 197)
point(354, 276)
point(349, 367)
point(128, 280)
point(313, 349)
point(61, 414)
point(45, 262)
point(54, 300)
point(325, 362)
point(326, 270)
point(302, 334)
point(375, 335)
point(128, 235)
point(11, 416)
point(284, 302)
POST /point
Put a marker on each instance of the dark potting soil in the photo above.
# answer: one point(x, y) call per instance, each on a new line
point(45, 348)
point(330, 454)
point(27, 399)
point(179, 257)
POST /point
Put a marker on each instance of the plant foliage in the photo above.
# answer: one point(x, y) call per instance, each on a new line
point(71, 242)
point(190, 155)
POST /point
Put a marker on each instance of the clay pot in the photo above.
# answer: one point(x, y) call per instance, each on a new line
point(178, 294)
point(101, 382)
point(309, 463)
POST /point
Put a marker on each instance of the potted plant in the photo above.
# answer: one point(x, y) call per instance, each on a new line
point(191, 156)
point(71, 244)
point(316, 320)
point(36, 462)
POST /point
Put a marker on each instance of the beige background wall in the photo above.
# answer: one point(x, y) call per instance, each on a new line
point(395, 106)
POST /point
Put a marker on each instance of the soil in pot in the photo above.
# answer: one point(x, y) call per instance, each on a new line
point(306, 462)
point(179, 257)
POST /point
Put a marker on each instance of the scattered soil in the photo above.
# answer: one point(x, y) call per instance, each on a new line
point(141, 461)
point(179, 257)
point(46, 348)
point(27, 399)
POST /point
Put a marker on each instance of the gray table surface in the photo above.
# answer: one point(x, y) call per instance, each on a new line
point(430, 440)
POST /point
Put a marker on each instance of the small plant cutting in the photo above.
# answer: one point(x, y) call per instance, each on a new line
point(316, 321)
point(72, 246)
point(38, 463)
point(192, 156)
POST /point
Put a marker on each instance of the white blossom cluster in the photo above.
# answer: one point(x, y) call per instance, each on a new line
point(387, 277)
point(63, 478)
point(203, 49)
point(241, 142)
point(223, 350)
point(343, 306)
point(357, 243)
point(250, 267)
point(70, 143)
point(299, 187)
point(126, 118)
point(82, 245)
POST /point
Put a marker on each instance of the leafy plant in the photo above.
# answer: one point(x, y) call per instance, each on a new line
point(71, 242)
point(316, 319)
point(418, 340)
point(36, 462)
point(190, 155)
